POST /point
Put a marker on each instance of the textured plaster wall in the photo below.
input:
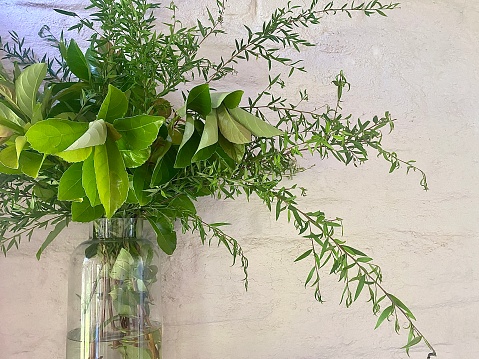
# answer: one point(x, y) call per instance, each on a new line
point(422, 64)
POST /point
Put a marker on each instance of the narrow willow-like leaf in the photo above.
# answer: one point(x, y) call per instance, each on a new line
point(70, 187)
point(255, 125)
point(111, 176)
point(385, 314)
point(27, 85)
point(52, 235)
point(54, 135)
point(114, 105)
point(304, 255)
point(360, 287)
point(76, 61)
point(232, 130)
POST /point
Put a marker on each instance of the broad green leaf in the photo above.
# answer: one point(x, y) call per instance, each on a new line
point(70, 187)
point(188, 145)
point(89, 181)
point(26, 87)
point(31, 163)
point(135, 158)
point(385, 314)
point(7, 124)
point(44, 192)
point(94, 136)
point(76, 62)
point(111, 176)
point(228, 99)
point(165, 234)
point(52, 235)
point(141, 181)
point(10, 155)
point(199, 100)
point(114, 105)
point(164, 169)
point(232, 130)
point(9, 171)
point(209, 137)
point(233, 150)
point(55, 135)
point(79, 155)
point(182, 203)
point(7, 90)
point(7, 113)
point(84, 212)
point(138, 132)
point(122, 268)
point(255, 125)
point(5, 133)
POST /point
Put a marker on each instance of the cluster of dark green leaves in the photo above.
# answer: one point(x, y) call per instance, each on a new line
point(101, 139)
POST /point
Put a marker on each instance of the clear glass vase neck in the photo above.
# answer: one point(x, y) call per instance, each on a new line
point(105, 228)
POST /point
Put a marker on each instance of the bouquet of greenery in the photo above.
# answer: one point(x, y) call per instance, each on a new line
point(91, 134)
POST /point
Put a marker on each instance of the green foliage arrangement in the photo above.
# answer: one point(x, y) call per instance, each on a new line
point(91, 134)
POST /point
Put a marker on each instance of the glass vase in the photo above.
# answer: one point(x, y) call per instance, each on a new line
point(113, 300)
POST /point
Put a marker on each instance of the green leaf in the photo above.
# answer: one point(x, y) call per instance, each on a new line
point(89, 181)
point(199, 100)
point(165, 234)
point(114, 105)
point(26, 87)
point(111, 176)
point(31, 163)
point(141, 180)
point(10, 155)
point(73, 156)
point(188, 145)
point(228, 99)
point(64, 12)
point(414, 341)
point(385, 314)
point(52, 235)
point(401, 305)
point(233, 150)
point(135, 158)
point(209, 138)
point(76, 61)
point(232, 130)
point(122, 268)
point(70, 187)
point(8, 114)
point(138, 132)
point(304, 255)
point(255, 125)
point(182, 203)
point(55, 135)
point(360, 286)
point(84, 212)
point(95, 135)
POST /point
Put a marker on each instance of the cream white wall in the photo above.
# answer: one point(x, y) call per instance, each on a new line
point(422, 64)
